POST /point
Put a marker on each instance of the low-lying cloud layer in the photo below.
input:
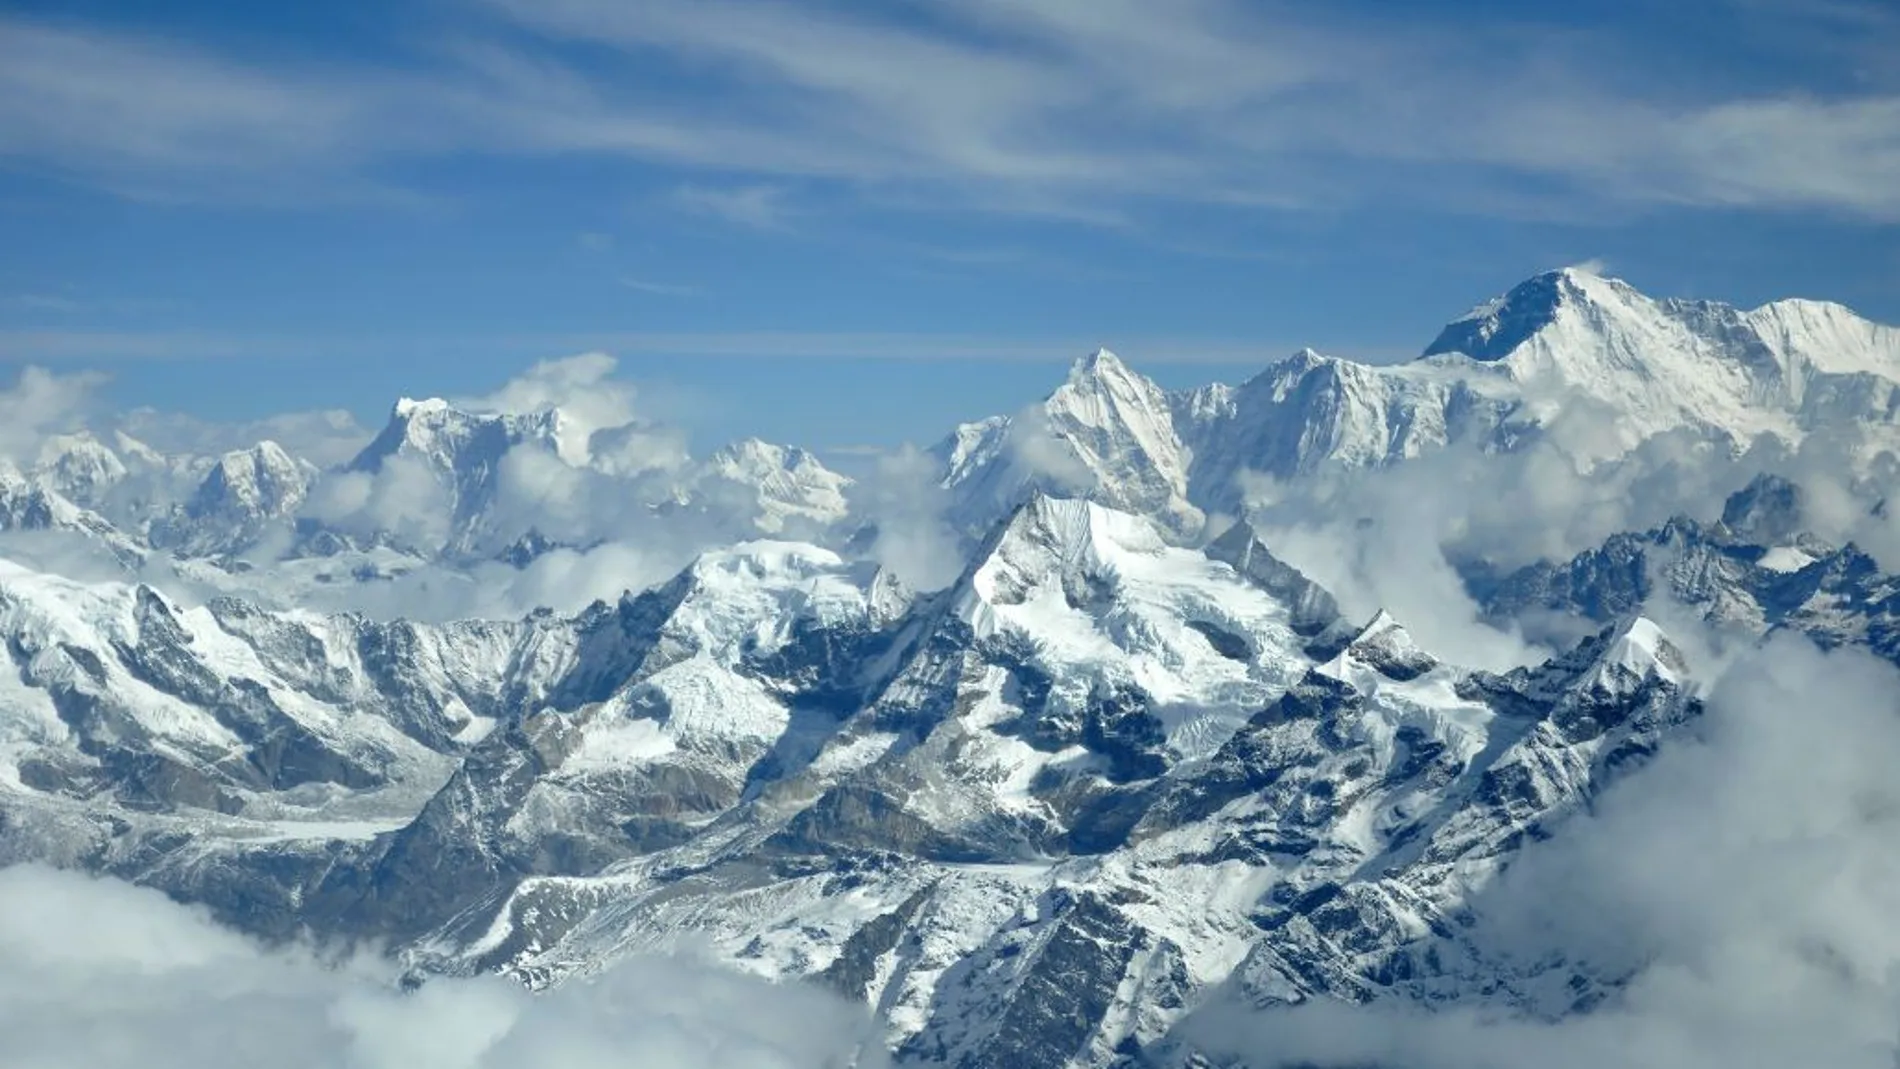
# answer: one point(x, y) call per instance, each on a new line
point(105, 975)
point(1396, 538)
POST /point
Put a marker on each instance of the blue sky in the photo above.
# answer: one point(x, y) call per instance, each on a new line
point(842, 223)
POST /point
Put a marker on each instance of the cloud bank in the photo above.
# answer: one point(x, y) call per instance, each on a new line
point(105, 975)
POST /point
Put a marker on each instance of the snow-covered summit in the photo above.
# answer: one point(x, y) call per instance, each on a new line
point(1640, 652)
point(1571, 357)
point(244, 492)
point(1659, 364)
point(80, 466)
point(787, 483)
point(1106, 433)
point(245, 485)
point(455, 440)
point(1495, 328)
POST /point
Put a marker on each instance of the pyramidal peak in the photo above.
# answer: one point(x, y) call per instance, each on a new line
point(1640, 651)
point(1495, 329)
point(263, 479)
point(1101, 389)
point(1101, 363)
point(1384, 647)
point(1048, 537)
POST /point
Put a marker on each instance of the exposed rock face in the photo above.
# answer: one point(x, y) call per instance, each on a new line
point(243, 494)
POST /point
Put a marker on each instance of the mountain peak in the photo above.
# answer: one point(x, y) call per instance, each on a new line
point(1099, 364)
point(453, 438)
point(409, 407)
point(1385, 647)
point(759, 455)
point(1051, 536)
point(1638, 652)
point(1494, 329)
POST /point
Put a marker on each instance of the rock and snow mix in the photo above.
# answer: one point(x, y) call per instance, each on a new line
point(1131, 769)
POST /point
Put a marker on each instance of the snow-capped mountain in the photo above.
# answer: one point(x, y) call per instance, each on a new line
point(1783, 369)
point(80, 467)
point(245, 492)
point(1106, 432)
point(1035, 818)
point(28, 504)
point(493, 469)
point(1754, 571)
point(1127, 762)
point(1566, 346)
point(459, 455)
point(772, 487)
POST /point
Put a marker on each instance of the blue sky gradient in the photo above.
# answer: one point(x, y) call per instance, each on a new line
point(854, 223)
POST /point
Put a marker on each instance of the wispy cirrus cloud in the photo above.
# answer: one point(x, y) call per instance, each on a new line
point(758, 207)
point(1087, 110)
point(659, 289)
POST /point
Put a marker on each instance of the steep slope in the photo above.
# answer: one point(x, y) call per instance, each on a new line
point(1784, 369)
point(244, 494)
point(461, 453)
point(27, 505)
point(1106, 433)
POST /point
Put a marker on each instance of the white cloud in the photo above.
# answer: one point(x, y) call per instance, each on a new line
point(659, 289)
point(1386, 551)
point(1046, 456)
point(901, 498)
point(326, 438)
point(39, 403)
point(758, 207)
point(108, 976)
point(582, 387)
point(402, 499)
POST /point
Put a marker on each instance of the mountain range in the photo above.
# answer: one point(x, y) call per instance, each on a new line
point(1129, 759)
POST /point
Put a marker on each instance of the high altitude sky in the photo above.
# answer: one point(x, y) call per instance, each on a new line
point(845, 223)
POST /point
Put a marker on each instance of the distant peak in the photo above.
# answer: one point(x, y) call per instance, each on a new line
point(1099, 364)
point(1386, 647)
point(1494, 329)
point(1640, 651)
point(759, 453)
point(265, 450)
point(407, 407)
